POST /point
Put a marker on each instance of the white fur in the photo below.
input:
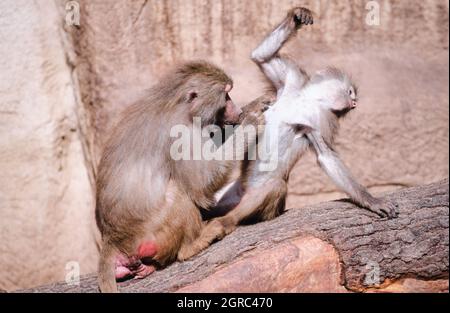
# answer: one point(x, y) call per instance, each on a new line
point(301, 102)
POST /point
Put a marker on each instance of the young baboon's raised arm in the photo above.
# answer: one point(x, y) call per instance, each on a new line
point(306, 114)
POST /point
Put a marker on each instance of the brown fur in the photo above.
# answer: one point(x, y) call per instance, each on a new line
point(142, 194)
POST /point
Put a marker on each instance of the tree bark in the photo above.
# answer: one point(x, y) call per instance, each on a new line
point(329, 247)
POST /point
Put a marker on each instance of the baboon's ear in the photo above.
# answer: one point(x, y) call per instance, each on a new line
point(191, 96)
point(191, 100)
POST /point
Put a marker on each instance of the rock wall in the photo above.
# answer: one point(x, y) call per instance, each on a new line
point(397, 137)
point(46, 197)
point(62, 87)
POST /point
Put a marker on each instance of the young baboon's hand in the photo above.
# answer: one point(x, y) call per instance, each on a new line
point(301, 16)
point(384, 208)
point(253, 113)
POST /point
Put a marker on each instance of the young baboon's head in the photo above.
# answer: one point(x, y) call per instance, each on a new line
point(334, 90)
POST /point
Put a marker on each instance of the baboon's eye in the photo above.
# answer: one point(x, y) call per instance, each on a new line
point(192, 96)
point(350, 92)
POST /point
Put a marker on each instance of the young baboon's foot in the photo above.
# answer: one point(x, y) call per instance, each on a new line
point(188, 251)
point(215, 230)
point(384, 208)
point(229, 225)
point(302, 16)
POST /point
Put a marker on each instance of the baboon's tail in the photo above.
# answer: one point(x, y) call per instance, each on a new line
point(106, 269)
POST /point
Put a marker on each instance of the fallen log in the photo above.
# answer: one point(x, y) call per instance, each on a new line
point(329, 247)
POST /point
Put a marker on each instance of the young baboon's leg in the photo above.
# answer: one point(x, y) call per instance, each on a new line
point(228, 201)
point(264, 202)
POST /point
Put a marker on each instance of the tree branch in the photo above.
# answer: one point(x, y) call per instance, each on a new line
point(330, 247)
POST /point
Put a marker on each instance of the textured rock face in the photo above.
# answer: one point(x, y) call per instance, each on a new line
point(397, 137)
point(57, 102)
point(45, 194)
